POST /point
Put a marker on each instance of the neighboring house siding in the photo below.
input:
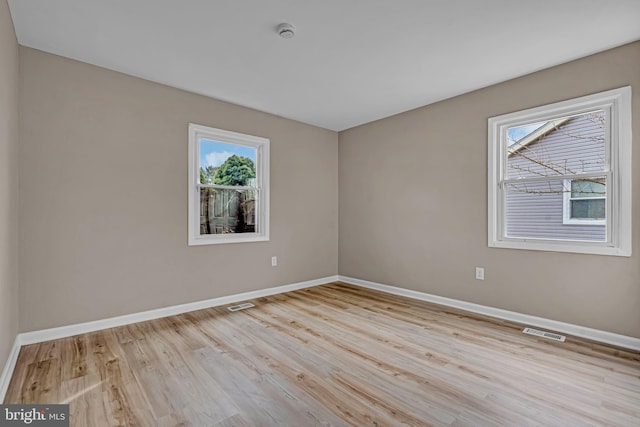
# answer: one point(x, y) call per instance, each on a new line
point(537, 211)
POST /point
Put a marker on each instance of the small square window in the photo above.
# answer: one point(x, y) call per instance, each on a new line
point(585, 201)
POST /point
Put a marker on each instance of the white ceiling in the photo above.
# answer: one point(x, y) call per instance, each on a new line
point(350, 62)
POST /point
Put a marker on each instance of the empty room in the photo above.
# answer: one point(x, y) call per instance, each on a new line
point(281, 213)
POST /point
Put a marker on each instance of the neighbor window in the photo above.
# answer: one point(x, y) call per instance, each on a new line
point(585, 202)
point(560, 176)
point(228, 186)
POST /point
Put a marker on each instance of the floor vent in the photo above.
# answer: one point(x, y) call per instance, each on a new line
point(544, 334)
point(242, 307)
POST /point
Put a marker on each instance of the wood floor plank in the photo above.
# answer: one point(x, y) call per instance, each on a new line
point(331, 355)
point(84, 396)
point(41, 382)
point(74, 351)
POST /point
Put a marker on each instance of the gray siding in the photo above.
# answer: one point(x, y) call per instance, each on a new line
point(536, 210)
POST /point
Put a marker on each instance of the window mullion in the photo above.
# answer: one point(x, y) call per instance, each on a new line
point(227, 187)
point(554, 178)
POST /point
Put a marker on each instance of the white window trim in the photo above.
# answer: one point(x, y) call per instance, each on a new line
point(566, 208)
point(619, 200)
point(197, 132)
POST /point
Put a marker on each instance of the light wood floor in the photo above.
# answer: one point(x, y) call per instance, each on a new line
point(330, 355)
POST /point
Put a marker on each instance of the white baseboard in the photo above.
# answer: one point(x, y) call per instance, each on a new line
point(7, 372)
point(82, 328)
point(97, 325)
point(33, 337)
point(524, 319)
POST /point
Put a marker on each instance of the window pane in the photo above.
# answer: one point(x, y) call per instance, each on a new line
point(583, 139)
point(227, 211)
point(563, 146)
point(588, 209)
point(227, 164)
point(535, 210)
point(588, 188)
point(229, 186)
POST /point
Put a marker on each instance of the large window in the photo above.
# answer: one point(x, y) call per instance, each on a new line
point(228, 186)
point(560, 176)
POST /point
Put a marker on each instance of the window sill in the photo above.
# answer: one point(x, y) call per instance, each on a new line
point(591, 248)
point(218, 239)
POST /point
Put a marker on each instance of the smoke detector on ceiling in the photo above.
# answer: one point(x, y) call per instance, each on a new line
point(286, 31)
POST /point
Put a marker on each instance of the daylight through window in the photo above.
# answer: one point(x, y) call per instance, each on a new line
point(560, 176)
point(228, 200)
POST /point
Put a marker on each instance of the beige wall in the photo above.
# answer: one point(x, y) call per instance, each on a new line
point(103, 200)
point(413, 205)
point(103, 206)
point(8, 183)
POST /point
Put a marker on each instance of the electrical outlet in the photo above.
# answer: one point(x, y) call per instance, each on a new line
point(479, 273)
point(274, 261)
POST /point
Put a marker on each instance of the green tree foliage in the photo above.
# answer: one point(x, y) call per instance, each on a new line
point(235, 170)
point(207, 175)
